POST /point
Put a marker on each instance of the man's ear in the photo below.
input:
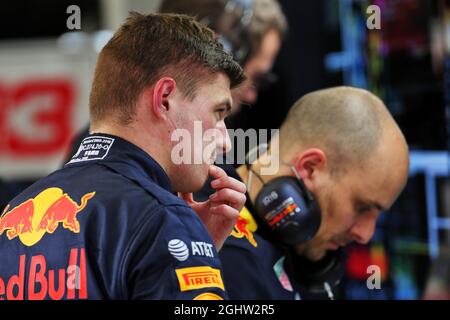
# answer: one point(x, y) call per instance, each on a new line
point(309, 163)
point(161, 96)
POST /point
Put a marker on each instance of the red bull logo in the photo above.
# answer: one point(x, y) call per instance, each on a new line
point(245, 226)
point(40, 283)
point(32, 219)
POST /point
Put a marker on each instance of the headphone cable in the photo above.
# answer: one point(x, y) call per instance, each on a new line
point(252, 172)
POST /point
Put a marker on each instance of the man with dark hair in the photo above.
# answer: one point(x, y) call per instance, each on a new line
point(108, 225)
point(251, 30)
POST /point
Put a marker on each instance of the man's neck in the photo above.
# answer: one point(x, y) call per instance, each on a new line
point(137, 137)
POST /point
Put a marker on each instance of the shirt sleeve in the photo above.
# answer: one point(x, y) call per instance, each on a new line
point(173, 257)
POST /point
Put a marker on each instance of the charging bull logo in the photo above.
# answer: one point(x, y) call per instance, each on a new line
point(245, 226)
point(32, 219)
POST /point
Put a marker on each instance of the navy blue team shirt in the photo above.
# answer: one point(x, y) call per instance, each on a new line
point(106, 226)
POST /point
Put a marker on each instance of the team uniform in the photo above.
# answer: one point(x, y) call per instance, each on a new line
point(106, 226)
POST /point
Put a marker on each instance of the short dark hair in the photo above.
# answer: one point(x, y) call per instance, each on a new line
point(147, 47)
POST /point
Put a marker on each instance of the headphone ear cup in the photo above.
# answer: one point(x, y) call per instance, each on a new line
point(314, 275)
point(283, 204)
point(239, 51)
point(227, 46)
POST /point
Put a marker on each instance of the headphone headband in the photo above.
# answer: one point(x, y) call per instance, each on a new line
point(241, 50)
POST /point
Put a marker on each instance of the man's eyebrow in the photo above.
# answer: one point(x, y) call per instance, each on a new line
point(379, 206)
point(374, 204)
point(226, 103)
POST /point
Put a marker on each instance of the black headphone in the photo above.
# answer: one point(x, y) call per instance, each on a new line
point(290, 211)
point(239, 46)
point(321, 276)
point(286, 206)
point(237, 41)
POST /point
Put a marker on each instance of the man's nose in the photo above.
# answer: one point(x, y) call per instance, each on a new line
point(223, 140)
point(362, 231)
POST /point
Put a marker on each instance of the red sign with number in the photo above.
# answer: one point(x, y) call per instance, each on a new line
point(45, 108)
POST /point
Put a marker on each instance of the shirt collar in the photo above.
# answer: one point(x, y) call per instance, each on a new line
point(121, 156)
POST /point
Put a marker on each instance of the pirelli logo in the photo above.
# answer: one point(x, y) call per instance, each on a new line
point(198, 278)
